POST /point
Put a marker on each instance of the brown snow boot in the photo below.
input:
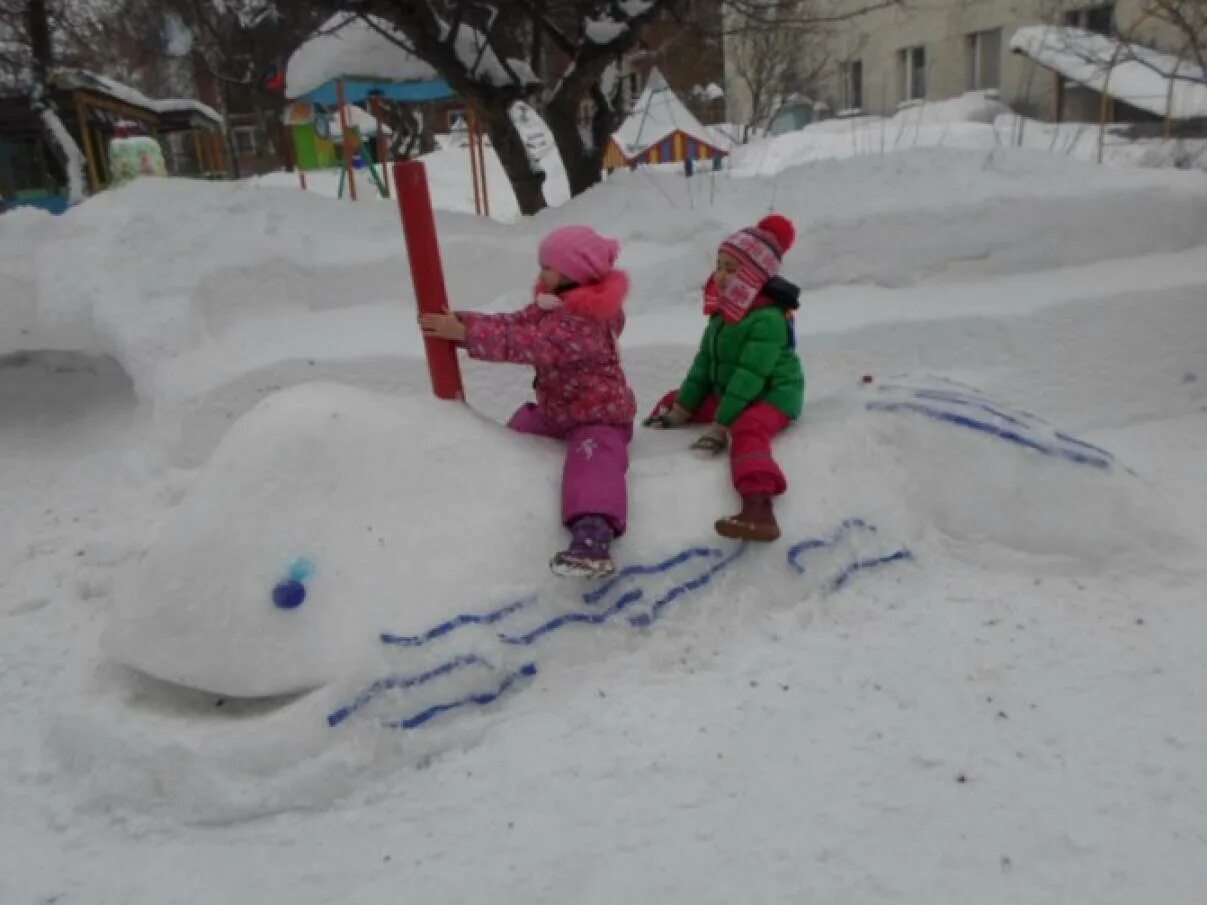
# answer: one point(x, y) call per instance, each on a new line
point(755, 522)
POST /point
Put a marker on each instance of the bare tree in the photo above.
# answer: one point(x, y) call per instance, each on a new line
point(1184, 24)
point(773, 61)
point(562, 54)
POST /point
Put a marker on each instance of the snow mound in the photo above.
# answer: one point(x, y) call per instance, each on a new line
point(238, 699)
point(348, 494)
point(972, 107)
point(212, 296)
point(984, 475)
point(971, 122)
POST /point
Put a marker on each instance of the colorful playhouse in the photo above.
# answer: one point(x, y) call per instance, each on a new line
point(661, 130)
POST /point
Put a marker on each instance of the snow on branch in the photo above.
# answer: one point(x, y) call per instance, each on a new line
point(634, 9)
point(604, 30)
point(250, 13)
point(474, 51)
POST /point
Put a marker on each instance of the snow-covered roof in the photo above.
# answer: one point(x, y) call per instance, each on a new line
point(82, 79)
point(350, 47)
point(1148, 79)
point(658, 113)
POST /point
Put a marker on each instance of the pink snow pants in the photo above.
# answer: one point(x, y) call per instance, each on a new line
point(597, 460)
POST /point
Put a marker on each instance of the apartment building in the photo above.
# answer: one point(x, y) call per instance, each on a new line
point(878, 60)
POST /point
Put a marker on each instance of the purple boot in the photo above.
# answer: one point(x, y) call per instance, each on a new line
point(587, 556)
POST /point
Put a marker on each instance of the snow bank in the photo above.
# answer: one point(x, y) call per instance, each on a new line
point(213, 296)
point(972, 107)
point(974, 121)
point(415, 616)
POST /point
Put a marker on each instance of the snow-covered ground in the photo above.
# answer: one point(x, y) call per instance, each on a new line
point(973, 121)
point(971, 672)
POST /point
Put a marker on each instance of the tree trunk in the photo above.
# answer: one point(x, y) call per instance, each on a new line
point(38, 25)
point(509, 146)
point(584, 165)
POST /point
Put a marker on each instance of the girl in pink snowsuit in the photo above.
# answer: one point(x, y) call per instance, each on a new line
point(569, 335)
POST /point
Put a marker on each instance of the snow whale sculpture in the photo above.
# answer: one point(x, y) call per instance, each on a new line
point(326, 514)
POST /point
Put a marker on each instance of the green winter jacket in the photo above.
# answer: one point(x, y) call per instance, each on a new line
point(744, 363)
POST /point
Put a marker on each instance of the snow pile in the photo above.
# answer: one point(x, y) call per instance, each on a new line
point(353, 47)
point(358, 487)
point(974, 121)
point(972, 107)
point(963, 122)
point(215, 294)
point(1147, 79)
point(372, 506)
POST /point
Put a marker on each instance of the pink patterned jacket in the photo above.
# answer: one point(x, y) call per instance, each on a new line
point(579, 379)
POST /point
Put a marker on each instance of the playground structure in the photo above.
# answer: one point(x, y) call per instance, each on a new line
point(662, 130)
point(351, 65)
point(94, 111)
point(427, 272)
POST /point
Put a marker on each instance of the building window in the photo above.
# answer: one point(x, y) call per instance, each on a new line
point(911, 72)
point(852, 85)
point(984, 60)
point(1098, 19)
point(245, 140)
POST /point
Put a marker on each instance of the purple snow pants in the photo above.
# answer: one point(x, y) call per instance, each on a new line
point(597, 459)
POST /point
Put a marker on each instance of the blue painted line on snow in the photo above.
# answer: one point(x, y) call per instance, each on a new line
point(626, 600)
point(1072, 455)
point(1090, 446)
point(451, 625)
point(973, 402)
point(391, 682)
point(645, 619)
point(666, 565)
point(862, 564)
point(481, 699)
point(970, 395)
point(820, 543)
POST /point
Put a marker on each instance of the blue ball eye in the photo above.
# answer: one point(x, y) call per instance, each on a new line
point(289, 594)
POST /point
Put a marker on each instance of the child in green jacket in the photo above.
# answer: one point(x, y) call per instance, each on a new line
point(746, 380)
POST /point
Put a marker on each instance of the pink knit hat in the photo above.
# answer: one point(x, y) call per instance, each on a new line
point(579, 253)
